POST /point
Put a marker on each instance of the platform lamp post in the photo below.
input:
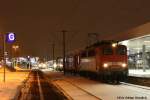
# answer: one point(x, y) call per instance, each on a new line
point(7, 38)
point(15, 47)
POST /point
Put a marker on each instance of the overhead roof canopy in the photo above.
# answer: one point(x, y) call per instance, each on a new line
point(139, 31)
point(137, 43)
point(134, 38)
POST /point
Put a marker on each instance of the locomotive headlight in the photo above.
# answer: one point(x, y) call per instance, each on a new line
point(124, 65)
point(114, 44)
point(105, 65)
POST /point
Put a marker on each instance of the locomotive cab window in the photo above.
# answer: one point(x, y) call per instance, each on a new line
point(107, 51)
point(121, 50)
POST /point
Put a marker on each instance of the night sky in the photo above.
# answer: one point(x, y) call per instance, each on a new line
point(38, 23)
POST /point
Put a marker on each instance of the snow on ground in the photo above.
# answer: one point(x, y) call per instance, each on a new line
point(74, 92)
point(139, 73)
point(109, 92)
point(12, 82)
point(101, 90)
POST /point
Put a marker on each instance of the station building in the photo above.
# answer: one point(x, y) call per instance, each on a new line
point(137, 41)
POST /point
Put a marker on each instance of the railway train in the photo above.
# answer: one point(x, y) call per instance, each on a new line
point(105, 60)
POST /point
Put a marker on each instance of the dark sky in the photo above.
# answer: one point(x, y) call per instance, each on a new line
point(38, 23)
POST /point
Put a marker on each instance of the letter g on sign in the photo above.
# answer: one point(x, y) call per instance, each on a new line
point(11, 36)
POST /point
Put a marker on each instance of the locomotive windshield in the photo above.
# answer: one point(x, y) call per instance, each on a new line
point(107, 51)
point(121, 50)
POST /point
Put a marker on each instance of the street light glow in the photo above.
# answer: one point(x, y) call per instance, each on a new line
point(15, 47)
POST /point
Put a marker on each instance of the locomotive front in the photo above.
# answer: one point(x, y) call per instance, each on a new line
point(114, 62)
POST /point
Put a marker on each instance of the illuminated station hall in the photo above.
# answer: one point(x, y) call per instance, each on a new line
point(137, 41)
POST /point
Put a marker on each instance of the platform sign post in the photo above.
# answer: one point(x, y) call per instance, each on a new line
point(7, 38)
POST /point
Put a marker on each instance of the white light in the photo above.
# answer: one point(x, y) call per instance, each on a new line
point(78, 59)
point(44, 65)
point(125, 42)
point(138, 51)
point(40, 65)
point(61, 65)
point(147, 41)
point(114, 45)
point(55, 65)
point(105, 65)
point(124, 65)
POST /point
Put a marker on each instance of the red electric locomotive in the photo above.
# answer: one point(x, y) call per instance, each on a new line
point(106, 60)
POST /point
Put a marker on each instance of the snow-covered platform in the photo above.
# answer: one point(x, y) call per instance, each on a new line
point(139, 73)
point(13, 81)
point(76, 87)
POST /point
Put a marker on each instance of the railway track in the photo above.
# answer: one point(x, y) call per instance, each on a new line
point(38, 88)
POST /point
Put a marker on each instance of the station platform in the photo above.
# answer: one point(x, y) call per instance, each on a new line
point(14, 80)
point(80, 88)
point(139, 73)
